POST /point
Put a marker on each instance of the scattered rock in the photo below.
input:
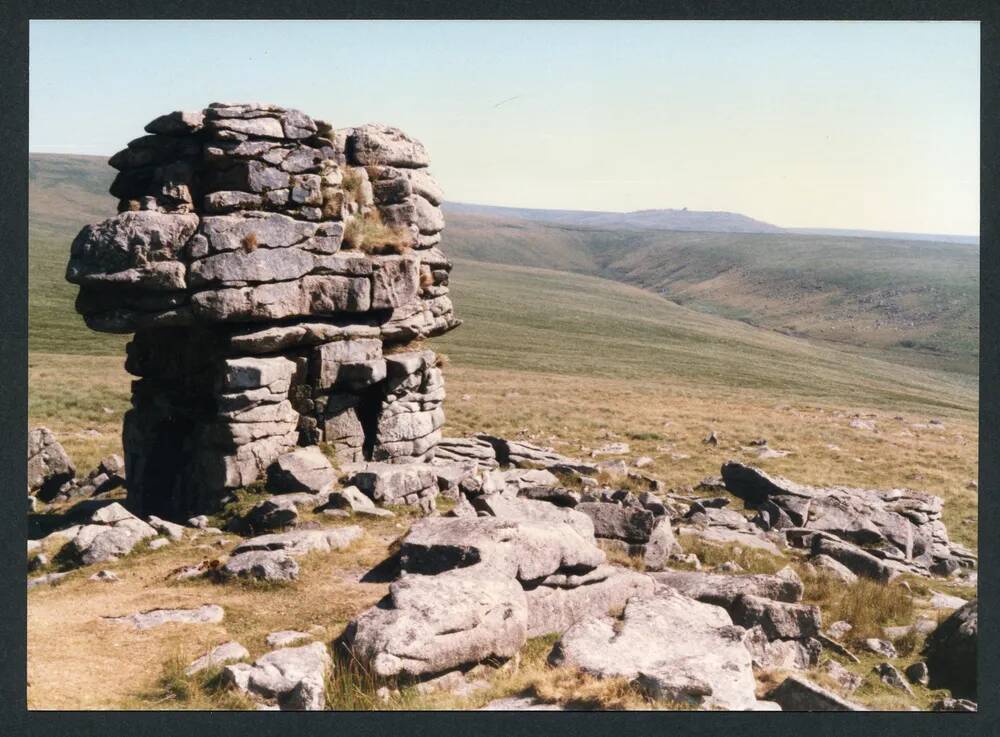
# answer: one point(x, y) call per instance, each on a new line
point(917, 673)
point(880, 647)
point(849, 682)
point(205, 614)
point(227, 652)
point(286, 637)
point(47, 579)
point(839, 629)
point(158, 543)
point(49, 466)
point(262, 565)
point(520, 703)
point(105, 576)
point(949, 704)
point(799, 694)
point(295, 677)
point(891, 676)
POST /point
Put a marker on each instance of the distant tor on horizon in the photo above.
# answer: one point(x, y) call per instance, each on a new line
point(657, 219)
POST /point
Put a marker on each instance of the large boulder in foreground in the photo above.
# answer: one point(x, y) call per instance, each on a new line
point(951, 649)
point(432, 624)
point(49, 465)
point(673, 647)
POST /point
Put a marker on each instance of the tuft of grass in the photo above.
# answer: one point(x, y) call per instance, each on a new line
point(866, 604)
point(250, 242)
point(205, 690)
point(369, 234)
point(351, 182)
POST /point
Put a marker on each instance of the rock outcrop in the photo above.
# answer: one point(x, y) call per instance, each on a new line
point(275, 273)
point(899, 527)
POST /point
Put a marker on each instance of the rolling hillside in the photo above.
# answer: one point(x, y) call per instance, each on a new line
point(912, 302)
point(525, 315)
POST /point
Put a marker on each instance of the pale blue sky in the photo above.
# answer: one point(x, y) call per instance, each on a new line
point(850, 125)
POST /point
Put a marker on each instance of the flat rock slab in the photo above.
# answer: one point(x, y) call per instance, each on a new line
point(432, 624)
point(521, 703)
point(301, 542)
point(529, 510)
point(673, 647)
point(205, 614)
point(724, 589)
point(801, 694)
point(295, 677)
point(227, 652)
point(286, 637)
point(528, 551)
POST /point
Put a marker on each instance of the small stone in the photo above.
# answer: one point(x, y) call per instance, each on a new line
point(286, 637)
point(917, 673)
point(160, 542)
point(227, 652)
point(105, 576)
point(880, 647)
point(891, 676)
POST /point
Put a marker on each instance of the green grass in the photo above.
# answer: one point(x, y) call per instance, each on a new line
point(911, 302)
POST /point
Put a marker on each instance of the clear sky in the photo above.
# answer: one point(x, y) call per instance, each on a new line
point(837, 124)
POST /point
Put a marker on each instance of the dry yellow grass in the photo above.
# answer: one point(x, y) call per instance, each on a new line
point(71, 648)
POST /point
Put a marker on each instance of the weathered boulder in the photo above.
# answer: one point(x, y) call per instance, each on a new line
point(413, 484)
point(261, 565)
point(301, 542)
point(527, 551)
point(779, 620)
point(49, 466)
point(227, 652)
point(294, 677)
point(675, 648)
point(304, 469)
point(432, 624)
point(951, 652)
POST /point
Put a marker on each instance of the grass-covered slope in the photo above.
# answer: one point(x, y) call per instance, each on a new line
point(911, 302)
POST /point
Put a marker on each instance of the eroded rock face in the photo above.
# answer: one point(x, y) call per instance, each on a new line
point(266, 264)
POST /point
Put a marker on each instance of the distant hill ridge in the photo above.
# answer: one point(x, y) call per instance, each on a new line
point(659, 219)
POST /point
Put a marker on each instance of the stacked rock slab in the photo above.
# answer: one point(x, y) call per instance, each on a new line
point(275, 273)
